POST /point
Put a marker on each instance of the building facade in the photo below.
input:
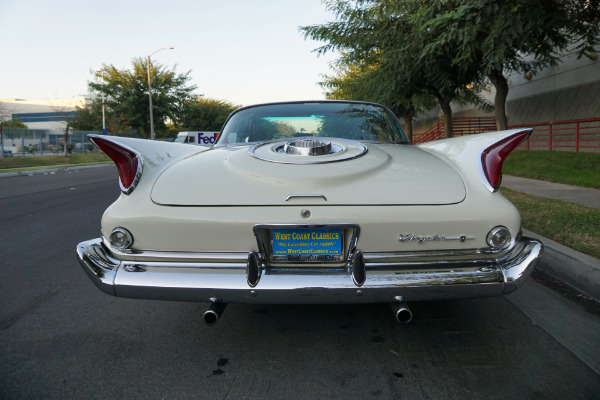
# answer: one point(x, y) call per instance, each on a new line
point(46, 121)
point(46, 114)
point(568, 91)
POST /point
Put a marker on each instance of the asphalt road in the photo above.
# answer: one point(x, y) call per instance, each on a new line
point(61, 338)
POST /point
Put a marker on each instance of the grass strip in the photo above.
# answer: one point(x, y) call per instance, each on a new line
point(573, 225)
point(9, 164)
point(579, 169)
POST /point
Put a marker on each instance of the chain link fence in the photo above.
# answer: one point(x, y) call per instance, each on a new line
point(23, 141)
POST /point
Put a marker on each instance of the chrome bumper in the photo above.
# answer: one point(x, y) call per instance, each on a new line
point(225, 277)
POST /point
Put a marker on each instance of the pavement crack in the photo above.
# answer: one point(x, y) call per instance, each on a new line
point(14, 317)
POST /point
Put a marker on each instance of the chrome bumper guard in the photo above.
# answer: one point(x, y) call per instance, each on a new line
point(241, 278)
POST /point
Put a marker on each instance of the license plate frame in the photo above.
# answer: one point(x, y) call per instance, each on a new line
point(349, 238)
point(299, 246)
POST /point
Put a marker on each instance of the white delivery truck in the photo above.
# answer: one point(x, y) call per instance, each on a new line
point(199, 138)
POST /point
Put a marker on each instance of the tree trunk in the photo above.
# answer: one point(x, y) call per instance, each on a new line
point(501, 85)
point(66, 139)
point(1, 141)
point(447, 110)
point(408, 117)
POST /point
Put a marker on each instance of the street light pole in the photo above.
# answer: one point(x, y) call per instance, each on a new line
point(103, 115)
point(150, 89)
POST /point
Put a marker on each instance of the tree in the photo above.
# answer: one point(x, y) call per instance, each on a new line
point(364, 82)
point(448, 48)
point(87, 118)
point(67, 112)
point(13, 123)
point(126, 95)
point(205, 115)
point(499, 37)
point(386, 29)
point(5, 121)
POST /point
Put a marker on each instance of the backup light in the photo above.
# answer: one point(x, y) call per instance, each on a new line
point(121, 238)
point(493, 157)
point(499, 237)
point(128, 162)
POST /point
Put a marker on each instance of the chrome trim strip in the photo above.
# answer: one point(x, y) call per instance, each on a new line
point(179, 256)
point(370, 257)
point(428, 254)
point(304, 196)
point(197, 281)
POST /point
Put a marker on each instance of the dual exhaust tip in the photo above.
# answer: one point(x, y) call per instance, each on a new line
point(214, 312)
point(401, 310)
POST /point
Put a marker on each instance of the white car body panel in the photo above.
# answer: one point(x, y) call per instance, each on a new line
point(140, 213)
point(409, 176)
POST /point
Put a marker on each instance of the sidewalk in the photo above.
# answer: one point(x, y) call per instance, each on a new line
point(51, 169)
point(573, 194)
point(563, 263)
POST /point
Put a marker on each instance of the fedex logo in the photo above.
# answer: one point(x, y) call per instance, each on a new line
point(210, 138)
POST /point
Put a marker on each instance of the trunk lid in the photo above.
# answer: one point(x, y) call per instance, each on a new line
point(386, 174)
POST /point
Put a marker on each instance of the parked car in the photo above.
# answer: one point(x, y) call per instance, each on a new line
point(7, 153)
point(311, 202)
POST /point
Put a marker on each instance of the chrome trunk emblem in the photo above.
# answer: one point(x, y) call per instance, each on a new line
point(409, 237)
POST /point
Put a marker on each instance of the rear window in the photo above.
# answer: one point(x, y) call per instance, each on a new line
point(355, 121)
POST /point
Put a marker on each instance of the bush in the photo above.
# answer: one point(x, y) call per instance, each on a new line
point(70, 147)
point(31, 148)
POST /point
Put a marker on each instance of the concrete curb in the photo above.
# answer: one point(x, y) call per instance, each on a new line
point(53, 170)
point(571, 267)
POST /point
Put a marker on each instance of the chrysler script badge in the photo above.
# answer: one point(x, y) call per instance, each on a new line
point(409, 237)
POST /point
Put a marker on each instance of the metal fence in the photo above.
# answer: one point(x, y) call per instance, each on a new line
point(23, 141)
point(580, 135)
point(461, 126)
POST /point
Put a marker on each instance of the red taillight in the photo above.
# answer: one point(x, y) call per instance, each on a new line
point(493, 157)
point(128, 162)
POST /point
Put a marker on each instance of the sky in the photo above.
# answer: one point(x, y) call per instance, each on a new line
point(241, 51)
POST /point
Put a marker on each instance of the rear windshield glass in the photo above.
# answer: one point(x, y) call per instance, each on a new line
point(356, 121)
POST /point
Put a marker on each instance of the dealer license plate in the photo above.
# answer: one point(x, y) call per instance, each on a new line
point(307, 245)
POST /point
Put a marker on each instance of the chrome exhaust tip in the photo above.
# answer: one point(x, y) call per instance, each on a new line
point(213, 314)
point(402, 312)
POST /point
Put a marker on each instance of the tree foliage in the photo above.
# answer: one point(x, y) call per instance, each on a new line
point(382, 31)
point(394, 50)
point(500, 37)
point(126, 95)
point(362, 81)
point(205, 115)
point(88, 118)
point(13, 123)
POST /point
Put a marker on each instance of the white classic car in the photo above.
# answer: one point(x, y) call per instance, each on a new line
point(311, 202)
